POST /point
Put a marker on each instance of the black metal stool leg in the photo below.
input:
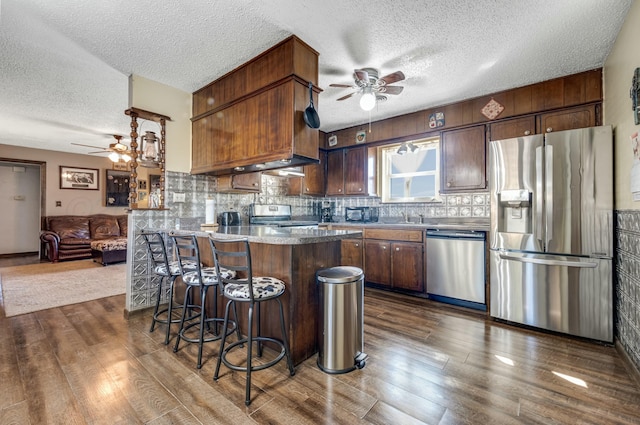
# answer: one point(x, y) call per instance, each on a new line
point(155, 310)
point(224, 336)
point(247, 399)
point(185, 305)
point(203, 322)
point(285, 341)
point(172, 280)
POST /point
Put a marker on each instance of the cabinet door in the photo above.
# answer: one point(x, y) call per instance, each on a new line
point(355, 176)
point(407, 266)
point(313, 180)
point(249, 181)
point(377, 262)
point(335, 172)
point(463, 159)
point(508, 129)
point(568, 119)
point(352, 252)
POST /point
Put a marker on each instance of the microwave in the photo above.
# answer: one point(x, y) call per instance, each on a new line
point(362, 214)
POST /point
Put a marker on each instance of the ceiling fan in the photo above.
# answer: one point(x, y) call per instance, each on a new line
point(117, 151)
point(371, 87)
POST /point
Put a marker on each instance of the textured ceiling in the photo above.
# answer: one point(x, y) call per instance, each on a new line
point(64, 64)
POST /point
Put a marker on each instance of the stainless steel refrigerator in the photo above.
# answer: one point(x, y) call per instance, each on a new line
point(551, 239)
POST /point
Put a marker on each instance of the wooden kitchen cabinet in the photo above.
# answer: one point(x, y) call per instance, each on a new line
point(347, 172)
point(569, 119)
point(352, 253)
point(463, 159)
point(394, 258)
point(516, 127)
point(240, 183)
point(312, 184)
point(377, 261)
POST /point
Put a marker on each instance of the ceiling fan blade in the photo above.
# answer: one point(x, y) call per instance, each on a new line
point(361, 75)
point(347, 96)
point(90, 153)
point(344, 86)
point(392, 78)
point(391, 89)
point(89, 146)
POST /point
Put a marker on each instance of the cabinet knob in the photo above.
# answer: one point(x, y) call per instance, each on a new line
point(527, 132)
point(448, 184)
point(384, 247)
point(307, 189)
point(339, 190)
point(397, 249)
point(359, 189)
point(357, 245)
point(549, 129)
point(254, 184)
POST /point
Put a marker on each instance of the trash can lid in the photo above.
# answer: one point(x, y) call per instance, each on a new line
point(340, 274)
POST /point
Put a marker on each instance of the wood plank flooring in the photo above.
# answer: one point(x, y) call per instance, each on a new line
point(428, 364)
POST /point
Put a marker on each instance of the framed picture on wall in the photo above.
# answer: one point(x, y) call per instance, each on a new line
point(79, 178)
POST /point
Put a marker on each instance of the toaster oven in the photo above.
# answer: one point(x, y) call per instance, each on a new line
point(361, 214)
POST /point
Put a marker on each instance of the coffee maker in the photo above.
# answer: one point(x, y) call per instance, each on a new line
point(325, 210)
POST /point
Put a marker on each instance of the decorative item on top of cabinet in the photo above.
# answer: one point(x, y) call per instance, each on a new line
point(312, 184)
point(569, 119)
point(240, 183)
point(463, 159)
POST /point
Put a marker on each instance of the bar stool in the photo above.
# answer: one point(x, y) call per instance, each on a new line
point(168, 272)
point(202, 278)
point(252, 290)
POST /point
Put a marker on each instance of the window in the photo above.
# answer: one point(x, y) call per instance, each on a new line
point(410, 171)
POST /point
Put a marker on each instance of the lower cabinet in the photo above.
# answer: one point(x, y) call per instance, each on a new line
point(352, 253)
point(394, 259)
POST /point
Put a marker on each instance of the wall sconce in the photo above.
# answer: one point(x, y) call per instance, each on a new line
point(368, 99)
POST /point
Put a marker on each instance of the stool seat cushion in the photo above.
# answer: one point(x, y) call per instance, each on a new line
point(208, 276)
point(263, 288)
point(174, 268)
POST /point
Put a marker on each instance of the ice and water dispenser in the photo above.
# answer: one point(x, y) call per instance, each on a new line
point(515, 213)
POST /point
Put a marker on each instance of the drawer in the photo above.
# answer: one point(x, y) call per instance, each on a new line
point(394, 234)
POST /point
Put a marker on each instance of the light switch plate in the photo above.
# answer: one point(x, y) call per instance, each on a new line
point(178, 197)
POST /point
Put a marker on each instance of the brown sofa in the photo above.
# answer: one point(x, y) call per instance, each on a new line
point(70, 237)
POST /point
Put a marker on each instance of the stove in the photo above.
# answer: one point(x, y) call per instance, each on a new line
point(277, 216)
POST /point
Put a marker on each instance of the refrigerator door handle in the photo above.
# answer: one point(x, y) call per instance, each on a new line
point(549, 262)
point(548, 177)
point(538, 195)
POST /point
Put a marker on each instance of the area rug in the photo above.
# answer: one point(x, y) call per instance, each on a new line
point(35, 287)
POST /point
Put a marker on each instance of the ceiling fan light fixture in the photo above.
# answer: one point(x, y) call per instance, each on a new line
point(125, 157)
point(402, 149)
point(368, 99)
point(114, 156)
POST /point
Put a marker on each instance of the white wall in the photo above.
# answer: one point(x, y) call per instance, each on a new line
point(618, 72)
point(176, 104)
point(74, 201)
point(20, 198)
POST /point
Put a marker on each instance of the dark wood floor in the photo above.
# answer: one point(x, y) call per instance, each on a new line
point(428, 363)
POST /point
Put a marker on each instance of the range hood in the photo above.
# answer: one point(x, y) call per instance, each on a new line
point(284, 167)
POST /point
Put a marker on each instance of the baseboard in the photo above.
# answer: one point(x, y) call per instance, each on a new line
point(135, 313)
point(628, 363)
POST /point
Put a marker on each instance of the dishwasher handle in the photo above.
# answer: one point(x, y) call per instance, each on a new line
point(455, 234)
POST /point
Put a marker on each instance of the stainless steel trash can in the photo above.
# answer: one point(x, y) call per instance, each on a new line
point(341, 342)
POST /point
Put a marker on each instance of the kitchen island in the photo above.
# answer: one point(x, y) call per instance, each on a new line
point(293, 256)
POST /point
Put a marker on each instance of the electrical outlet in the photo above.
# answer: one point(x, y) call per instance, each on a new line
point(178, 197)
point(58, 203)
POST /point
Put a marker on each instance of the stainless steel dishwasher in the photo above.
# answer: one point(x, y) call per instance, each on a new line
point(456, 267)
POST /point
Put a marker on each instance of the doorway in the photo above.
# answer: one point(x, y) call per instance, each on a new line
point(22, 193)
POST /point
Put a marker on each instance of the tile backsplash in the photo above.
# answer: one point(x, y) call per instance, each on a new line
point(199, 188)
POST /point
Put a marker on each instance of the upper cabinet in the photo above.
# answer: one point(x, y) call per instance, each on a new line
point(312, 184)
point(347, 172)
point(463, 159)
point(252, 118)
point(516, 127)
point(569, 119)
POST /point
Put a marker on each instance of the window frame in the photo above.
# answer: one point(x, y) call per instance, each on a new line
point(386, 152)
